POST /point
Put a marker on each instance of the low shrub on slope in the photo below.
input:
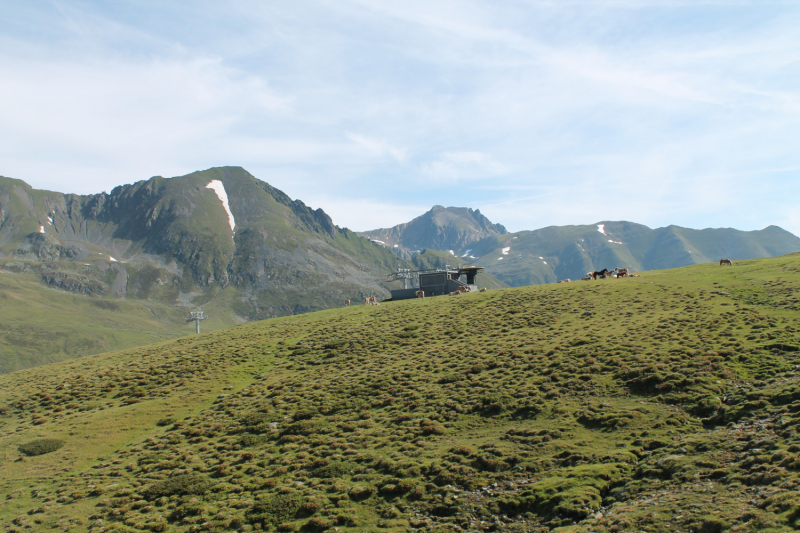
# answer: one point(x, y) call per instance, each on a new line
point(663, 403)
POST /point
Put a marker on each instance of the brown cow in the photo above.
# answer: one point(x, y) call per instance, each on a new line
point(455, 293)
point(347, 303)
point(483, 289)
point(725, 262)
point(420, 294)
point(463, 289)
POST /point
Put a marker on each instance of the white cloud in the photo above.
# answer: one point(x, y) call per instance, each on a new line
point(130, 119)
point(462, 166)
point(376, 147)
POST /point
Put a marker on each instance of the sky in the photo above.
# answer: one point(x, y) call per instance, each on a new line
point(536, 112)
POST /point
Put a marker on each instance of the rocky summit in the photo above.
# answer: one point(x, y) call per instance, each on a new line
point(450, 229)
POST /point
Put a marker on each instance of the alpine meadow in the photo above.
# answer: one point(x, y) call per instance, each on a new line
point(659, 403)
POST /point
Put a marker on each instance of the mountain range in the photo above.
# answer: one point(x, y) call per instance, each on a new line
point(555, 253)
point(134, 261)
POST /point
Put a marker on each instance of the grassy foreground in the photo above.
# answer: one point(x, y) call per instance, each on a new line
point(667, 402)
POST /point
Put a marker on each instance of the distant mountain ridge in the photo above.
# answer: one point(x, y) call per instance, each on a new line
point(550, 254)
point(448, 229)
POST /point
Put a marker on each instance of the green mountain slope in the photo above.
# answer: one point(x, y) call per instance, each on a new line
point(178, 228)
point(40, 325)
point(667, 402)
point(169, 242)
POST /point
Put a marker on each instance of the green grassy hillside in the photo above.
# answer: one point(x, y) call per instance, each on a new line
point(667, 402)
point(40, 325)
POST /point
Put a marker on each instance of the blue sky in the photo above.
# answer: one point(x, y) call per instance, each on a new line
point(537, 112)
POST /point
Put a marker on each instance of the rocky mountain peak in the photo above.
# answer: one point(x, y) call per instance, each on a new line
point(441, 228)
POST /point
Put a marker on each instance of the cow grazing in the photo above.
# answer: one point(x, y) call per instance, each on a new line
point(347, 303)
point(725, 262)
point(420, 294)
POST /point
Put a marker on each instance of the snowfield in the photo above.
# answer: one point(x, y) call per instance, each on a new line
point(219, 188)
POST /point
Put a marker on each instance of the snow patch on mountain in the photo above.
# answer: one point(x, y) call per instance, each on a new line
point(601, 228)
point(219, 188)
